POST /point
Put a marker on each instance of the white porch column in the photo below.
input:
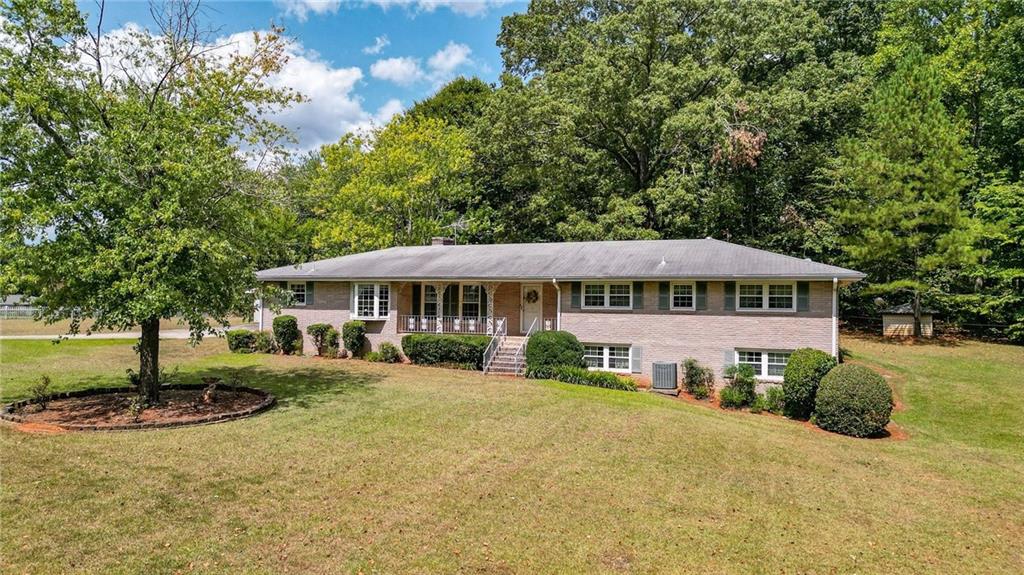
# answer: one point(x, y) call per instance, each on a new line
point(439, 288)
point(490, 288)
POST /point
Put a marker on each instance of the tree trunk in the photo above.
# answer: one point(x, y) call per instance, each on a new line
point(917, 314)
point(149, 364)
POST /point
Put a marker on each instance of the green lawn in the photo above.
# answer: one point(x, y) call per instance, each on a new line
point(387, 469)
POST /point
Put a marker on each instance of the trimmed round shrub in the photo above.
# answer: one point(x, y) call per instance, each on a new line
point(853, 400)
point(388, 352)
point(462, 351)
point(287, 334)
point(353, 334)
point(241, 340)
point(549, 349)
point(263, 342)
point(800, 380)
point(320, 333)
point(373, 356)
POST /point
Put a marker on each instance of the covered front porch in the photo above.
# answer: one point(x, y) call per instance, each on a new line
point(473, 307)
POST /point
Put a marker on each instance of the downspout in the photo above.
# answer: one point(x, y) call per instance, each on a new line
point(558, 304)
point(835, 317)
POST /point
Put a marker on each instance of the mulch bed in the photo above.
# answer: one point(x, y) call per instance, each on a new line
point(108, 409)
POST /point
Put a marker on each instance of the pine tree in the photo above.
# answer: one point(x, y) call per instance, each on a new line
point(903, 176)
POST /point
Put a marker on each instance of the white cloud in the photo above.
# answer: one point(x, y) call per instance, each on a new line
point(402, 71)
point(390, 109)
point(407, 71)
point(447, 59)
point(463, 7)
point(300, 9)
point(379, 43)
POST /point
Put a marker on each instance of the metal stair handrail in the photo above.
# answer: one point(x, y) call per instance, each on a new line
point(517, 359)
point(497, 340)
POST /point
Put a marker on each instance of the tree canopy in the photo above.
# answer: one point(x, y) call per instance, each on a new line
point(127, 191)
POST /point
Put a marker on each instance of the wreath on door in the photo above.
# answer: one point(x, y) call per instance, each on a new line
point(532, 296)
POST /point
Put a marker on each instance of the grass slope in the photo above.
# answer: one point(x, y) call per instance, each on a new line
point(380, 468)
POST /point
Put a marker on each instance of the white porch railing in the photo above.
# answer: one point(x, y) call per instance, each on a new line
point(500, 331)
point(448, 324)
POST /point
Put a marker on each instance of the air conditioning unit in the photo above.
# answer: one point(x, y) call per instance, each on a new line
point(665, 380)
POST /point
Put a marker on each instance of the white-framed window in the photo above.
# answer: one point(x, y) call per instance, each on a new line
point(683, 296)
point(429, 301)
point(373, 301)
point(767, 296)
point(298, 293)
point(608, 295)
point(606, 357)
point(767, 364)
point(471, 301)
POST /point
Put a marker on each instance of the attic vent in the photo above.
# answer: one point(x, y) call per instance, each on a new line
point(441, 241)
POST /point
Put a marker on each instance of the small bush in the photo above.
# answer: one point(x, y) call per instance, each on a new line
point(732, 398)
point(373, 356)
point(446, 350)
point(322, 333)
point(263, 342)
point(388, 352)
point(241, 340)
point(549, 349)
point(353, 334)
point(801, 378)
point(698, 380)
point(40, 391)
point(853, 400)
point(286, 333)
point(583, 376)
point(774, 401)
point(741, 380)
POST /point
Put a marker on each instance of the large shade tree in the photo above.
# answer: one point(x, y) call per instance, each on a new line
point(126, 167)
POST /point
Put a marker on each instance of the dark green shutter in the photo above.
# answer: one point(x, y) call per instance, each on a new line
point(730, 296)
point(575, 302)
point(310, 300)
point(483, 301)
point(701, 299)
point(663, 297)
point(638, 295)
point(417, 291)
point(803, 296)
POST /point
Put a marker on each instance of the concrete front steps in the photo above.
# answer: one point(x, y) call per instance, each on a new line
point(504, 360)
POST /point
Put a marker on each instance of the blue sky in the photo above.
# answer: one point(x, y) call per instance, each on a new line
point(357, 62)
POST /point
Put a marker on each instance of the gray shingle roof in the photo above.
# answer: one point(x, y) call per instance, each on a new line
point(647, 259)
point(907, 309)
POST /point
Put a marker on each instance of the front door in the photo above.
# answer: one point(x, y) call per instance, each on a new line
point(531, 304)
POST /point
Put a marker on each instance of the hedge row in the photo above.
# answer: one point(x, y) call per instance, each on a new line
point(431, 349)
point(583, 376)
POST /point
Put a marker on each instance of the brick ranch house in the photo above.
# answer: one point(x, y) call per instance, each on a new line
point(631, 303)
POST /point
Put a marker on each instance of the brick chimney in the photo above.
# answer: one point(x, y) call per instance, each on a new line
point(440, 241)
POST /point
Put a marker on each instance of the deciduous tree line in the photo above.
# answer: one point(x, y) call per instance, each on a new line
point(888, 137)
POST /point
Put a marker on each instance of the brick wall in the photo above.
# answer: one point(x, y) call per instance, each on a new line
point(332, 304)
point(664, 335)
point(704, 335)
